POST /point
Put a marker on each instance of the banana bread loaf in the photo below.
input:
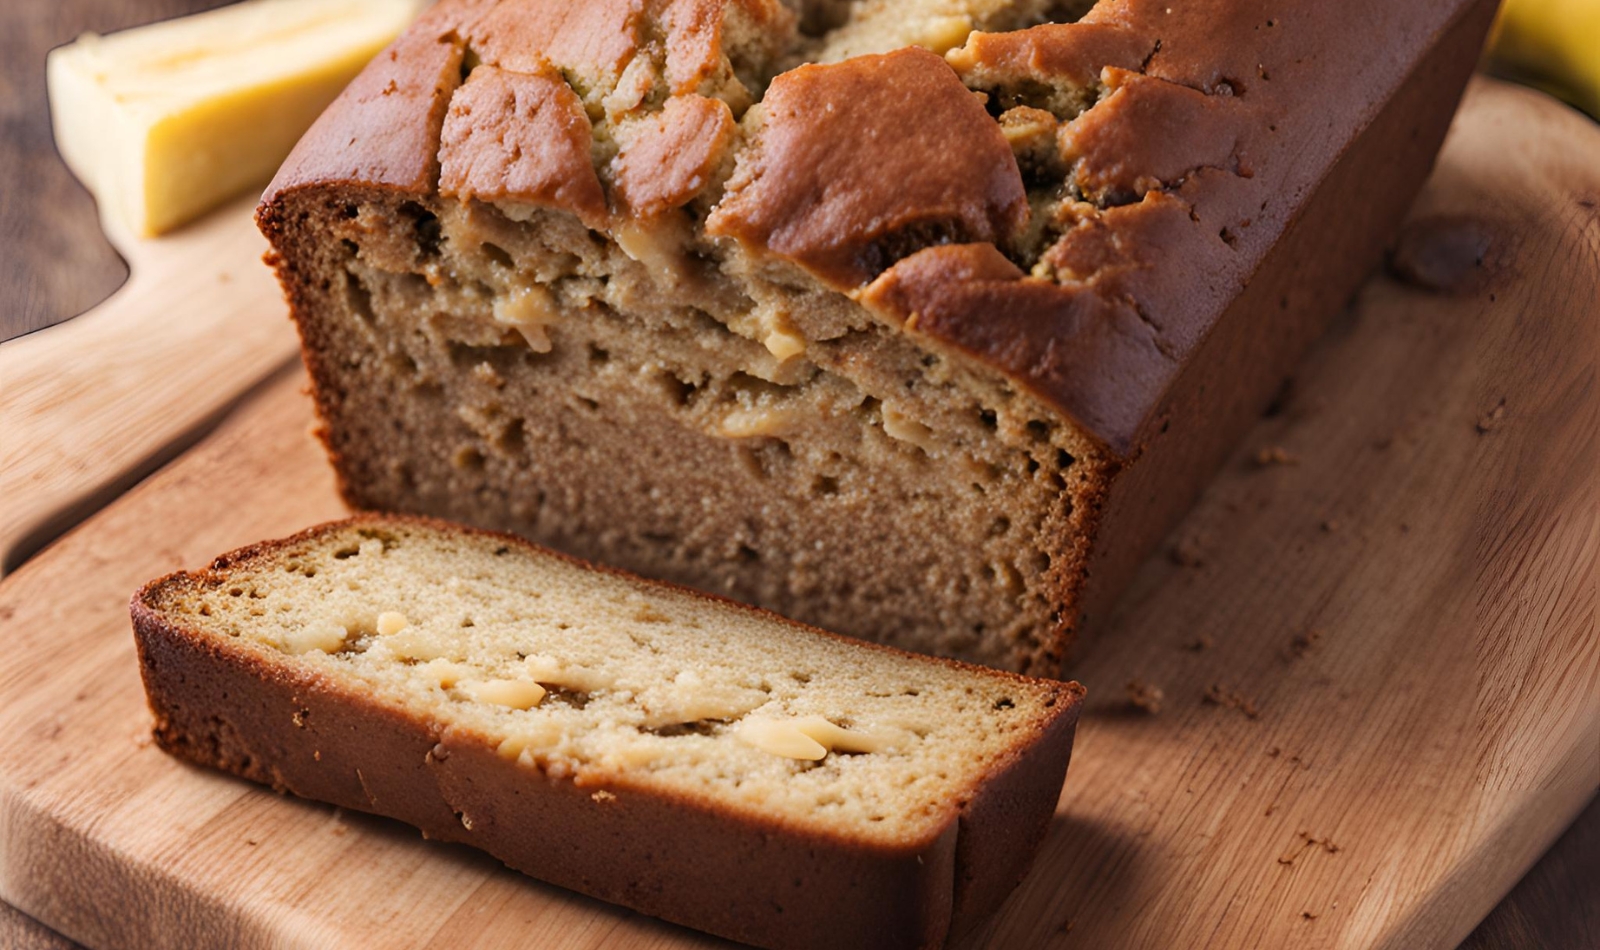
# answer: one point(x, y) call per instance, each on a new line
point(689, 757)
point(921, 321)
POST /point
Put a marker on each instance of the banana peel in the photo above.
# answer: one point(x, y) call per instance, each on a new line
point(1551, 44)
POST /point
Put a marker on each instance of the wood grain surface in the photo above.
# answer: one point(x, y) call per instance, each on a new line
point(104, 399)
point(1402, 704)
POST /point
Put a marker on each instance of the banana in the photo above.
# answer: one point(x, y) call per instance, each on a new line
point(1553, 44)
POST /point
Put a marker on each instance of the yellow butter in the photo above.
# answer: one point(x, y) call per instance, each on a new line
point(166, 121)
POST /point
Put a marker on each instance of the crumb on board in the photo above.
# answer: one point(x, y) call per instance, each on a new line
point(1491, 420)
point(1280, 399)
point(1307, 915)
point(1308, 842)
point(1188, 552)
point(1145, 696)
point(1218, 695)
point(1330, 525)
point(1200, 644)
point(1301, 643)
point(1275, 455)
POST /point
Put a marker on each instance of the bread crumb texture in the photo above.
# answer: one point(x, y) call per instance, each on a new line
point(616, 684)
point(733, 293)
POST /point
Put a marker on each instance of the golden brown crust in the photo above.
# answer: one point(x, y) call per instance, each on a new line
point(939, 289)
point(667, 159)
point(520, 137)
point(383, 129)
point(861, 162)
point(597, 39)
point(1058, 54)
point(1236, 112)
point(594, 38)
point(694, 35)
point(222, 703)
point(1149, 134)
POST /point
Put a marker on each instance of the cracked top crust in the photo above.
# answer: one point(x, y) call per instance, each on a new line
point(1073, 204)
point(523, 137)
point(931, 167)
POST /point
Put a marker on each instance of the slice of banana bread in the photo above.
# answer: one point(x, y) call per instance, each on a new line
point(692, 758)
point(920, 320)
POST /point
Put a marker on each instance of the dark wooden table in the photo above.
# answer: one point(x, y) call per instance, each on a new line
point(54, 263)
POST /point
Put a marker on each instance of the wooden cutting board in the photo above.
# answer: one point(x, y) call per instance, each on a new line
point(1376, 637)
point(107, 397)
